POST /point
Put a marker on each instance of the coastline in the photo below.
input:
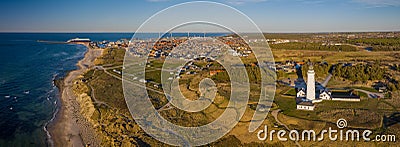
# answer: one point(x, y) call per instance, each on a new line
point(69, 127)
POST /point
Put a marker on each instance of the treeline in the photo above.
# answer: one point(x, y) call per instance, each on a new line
point(378, 44)
point(312, 46)
point(320, 69)
point(296, 36)
point(359, 72)
point(376, 41)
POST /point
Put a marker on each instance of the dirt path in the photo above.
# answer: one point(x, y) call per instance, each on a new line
point(275, 114)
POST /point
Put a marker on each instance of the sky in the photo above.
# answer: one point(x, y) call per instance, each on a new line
point(269, 15)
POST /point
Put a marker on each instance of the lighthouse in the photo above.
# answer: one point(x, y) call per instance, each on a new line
point(310, 84)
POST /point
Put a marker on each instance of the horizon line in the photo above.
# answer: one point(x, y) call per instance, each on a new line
point(272, 32)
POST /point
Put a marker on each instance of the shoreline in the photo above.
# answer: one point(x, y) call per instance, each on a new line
point(69, 127)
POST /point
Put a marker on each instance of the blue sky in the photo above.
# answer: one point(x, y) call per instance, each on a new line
point(269, 15)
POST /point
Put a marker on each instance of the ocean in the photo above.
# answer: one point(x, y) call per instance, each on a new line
point(28, 97)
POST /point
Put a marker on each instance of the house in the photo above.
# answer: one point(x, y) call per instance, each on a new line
point(214, 72)
point(301, 93)
point(305, 105)
point(382, 89)
point(325, 95)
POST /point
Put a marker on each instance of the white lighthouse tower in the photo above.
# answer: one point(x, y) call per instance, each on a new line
point(310, 84)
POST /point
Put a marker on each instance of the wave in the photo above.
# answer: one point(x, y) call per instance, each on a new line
point(55, 76)
point(77, 55)
point(60, 54)
point(49, 138)
point(40, 51)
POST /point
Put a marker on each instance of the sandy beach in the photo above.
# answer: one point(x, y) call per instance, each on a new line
point(70, 128)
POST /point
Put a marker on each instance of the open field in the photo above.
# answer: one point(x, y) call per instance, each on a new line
point(333, 56)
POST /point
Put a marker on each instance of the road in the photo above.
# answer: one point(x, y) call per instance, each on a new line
point(275, 114)
point(95, 101)
point(326, 80)
point(371, 94)
point(165, 107)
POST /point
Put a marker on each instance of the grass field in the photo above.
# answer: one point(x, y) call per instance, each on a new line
point(331, 56)
point(288, 107)
point(291, 92)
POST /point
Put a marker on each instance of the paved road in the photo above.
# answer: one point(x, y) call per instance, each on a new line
point(371, 94)
point(326, 80)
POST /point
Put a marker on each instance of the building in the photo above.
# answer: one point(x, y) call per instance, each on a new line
point(214, 72)
point(310, 84)
point(345, 96)
point(301, 93)
point(78, 40)
point(305, 105)
point(313, 92)
point(325, 95)
point(306, 96)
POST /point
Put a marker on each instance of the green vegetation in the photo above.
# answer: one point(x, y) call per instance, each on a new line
point(111, 57)
point(281, 74)
point(378, 44)
point(360, 72)
point(393, 86)
point(156, 63)
point(288, 107)
point(106, 89)
point(369, 104)
point(253, 73)
point(154, 75)
point(319, 69)
point(312, 46)
point(291, 92)
point(361, 94)
point(221, 77)
point(288, 35)
point(370, 89)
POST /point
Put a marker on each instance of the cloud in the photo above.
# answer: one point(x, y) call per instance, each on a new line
point(379, 3)
point(241, 2)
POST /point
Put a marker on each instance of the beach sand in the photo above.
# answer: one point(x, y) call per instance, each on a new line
point(70, 128)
